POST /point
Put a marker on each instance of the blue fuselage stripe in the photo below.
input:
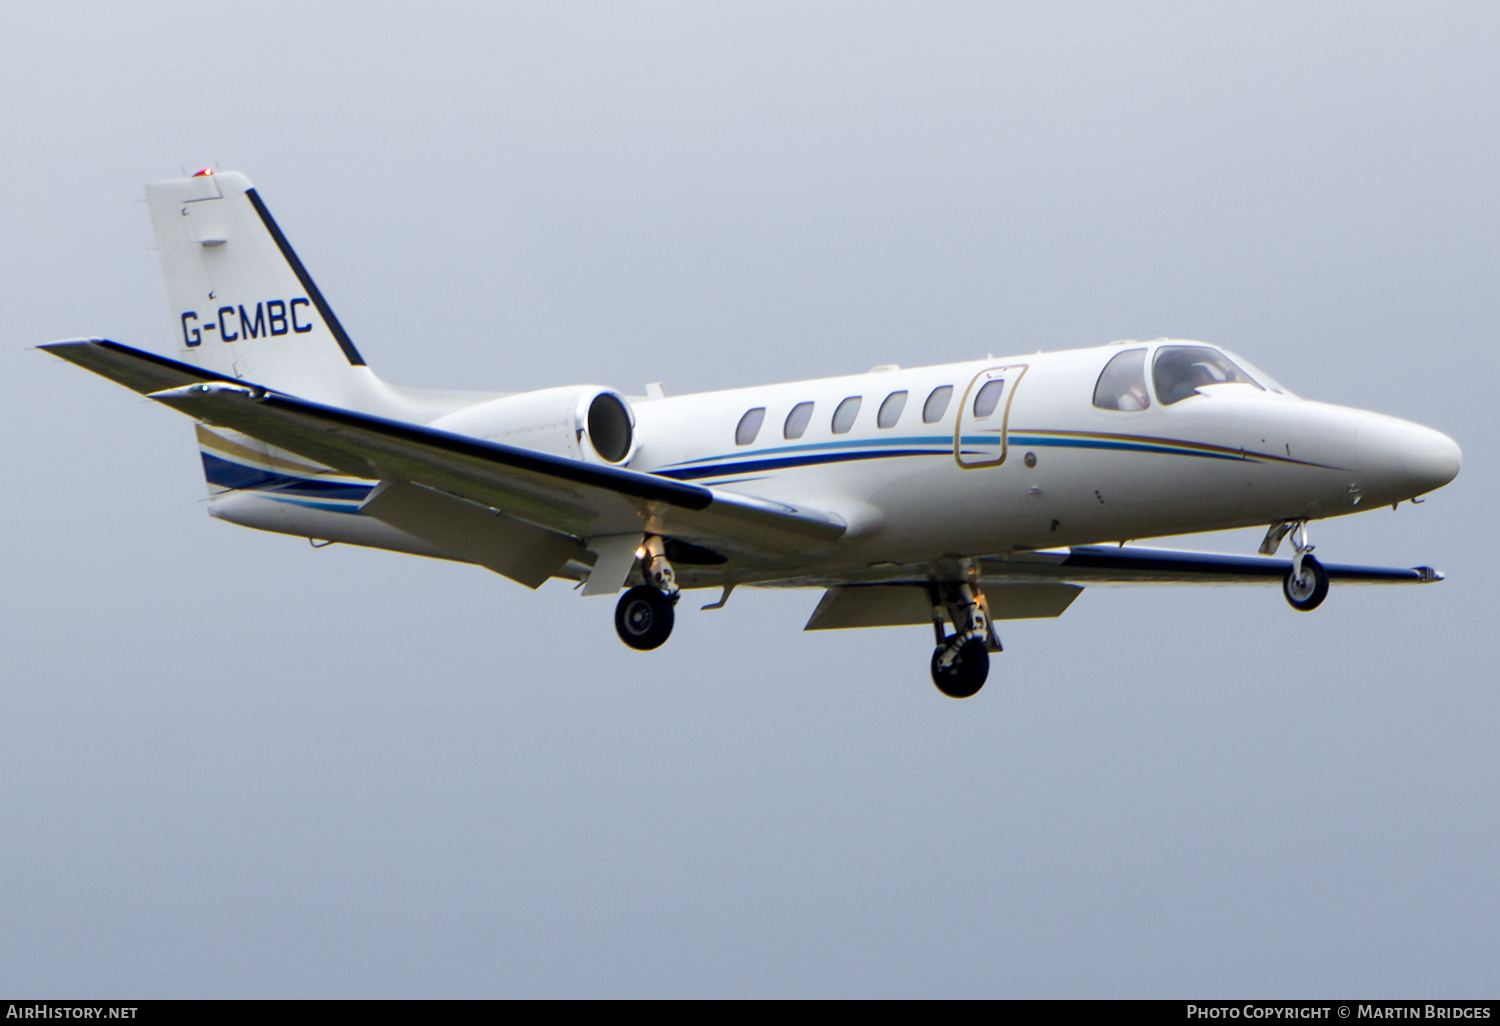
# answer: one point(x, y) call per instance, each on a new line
point(786, 462)
point(815, 455)
point(1044, 441)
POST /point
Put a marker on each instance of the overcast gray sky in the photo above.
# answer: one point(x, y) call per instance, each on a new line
point(234, 766)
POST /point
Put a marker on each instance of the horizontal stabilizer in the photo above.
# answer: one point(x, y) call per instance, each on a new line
point(134, 368)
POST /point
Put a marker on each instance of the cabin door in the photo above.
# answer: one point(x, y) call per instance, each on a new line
point(979, 439)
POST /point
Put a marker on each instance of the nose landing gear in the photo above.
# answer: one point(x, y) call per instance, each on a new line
point(1306, 583)
point(961, 662)
point(645, 614)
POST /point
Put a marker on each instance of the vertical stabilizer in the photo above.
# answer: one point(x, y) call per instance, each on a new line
point(242, 303)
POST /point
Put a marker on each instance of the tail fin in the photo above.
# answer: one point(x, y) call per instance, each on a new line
point(242, 300)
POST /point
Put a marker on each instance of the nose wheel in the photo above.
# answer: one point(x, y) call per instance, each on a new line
point(1306, 583)
point(1307, 590)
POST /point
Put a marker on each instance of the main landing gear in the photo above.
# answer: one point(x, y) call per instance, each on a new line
point(644, 616)
point(961, 661)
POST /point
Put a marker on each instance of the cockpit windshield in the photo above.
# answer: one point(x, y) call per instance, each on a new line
point(1179, 371)
point(1265, 380)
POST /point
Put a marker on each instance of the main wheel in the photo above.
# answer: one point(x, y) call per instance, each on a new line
point(1307, 592)
point(965, 675)
point(644, 618)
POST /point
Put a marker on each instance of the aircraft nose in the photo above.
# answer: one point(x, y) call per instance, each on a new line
point(1404, 459)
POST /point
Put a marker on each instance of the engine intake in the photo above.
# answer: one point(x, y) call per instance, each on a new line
point(610, 427)
point(584, 422)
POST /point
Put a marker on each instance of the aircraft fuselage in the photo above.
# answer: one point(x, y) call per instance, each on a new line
point(1059, 470)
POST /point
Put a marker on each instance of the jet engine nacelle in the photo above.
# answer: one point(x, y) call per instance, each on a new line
point(584, 422)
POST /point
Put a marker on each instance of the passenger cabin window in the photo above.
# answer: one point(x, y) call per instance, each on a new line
point(1179, 371)
point(749, 426)
point(988, 398)
point(1122, 385)
point(936, 404)
point(797, 420)
point(843, 417)
point(890, 410)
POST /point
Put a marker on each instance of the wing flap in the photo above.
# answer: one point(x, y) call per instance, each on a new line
point(525, 553)
point(899, 605)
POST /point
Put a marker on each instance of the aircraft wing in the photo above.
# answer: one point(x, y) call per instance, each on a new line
point(1109, 564)
point(562, 495)
point(1044, 583)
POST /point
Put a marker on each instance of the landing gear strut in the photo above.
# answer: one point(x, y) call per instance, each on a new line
point(645, 614)
point(961, 662)
point(1306, 583)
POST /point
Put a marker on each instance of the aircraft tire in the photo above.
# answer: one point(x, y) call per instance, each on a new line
point(963, 677)
point(1309, 593)
point(644, 618)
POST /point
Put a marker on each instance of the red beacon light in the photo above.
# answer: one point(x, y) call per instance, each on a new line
point(207, 172)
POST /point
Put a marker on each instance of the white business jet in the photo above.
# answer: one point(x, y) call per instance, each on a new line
point(957, 495)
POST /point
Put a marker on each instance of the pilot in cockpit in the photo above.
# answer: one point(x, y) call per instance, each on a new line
point(1180, 371)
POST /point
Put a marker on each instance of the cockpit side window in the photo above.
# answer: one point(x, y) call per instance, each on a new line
point(1179, 371)
point(1122, 386)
